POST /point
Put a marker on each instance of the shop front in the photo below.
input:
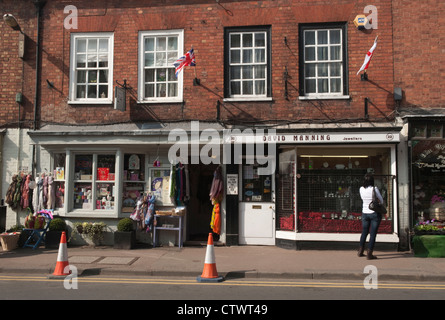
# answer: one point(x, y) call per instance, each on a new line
point(427, 142)
point(312, 195)
point(104, 175)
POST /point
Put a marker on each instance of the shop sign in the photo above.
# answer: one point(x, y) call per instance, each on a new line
point(352, 137)
point(232, 184)
point(429, 154)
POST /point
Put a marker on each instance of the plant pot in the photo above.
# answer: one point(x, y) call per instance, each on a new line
point(124, 240)
point(52, 239)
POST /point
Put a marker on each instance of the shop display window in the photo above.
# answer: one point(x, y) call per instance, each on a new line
point(59, 179)
point(134, 180)
point(94, 176)
point(328, 183)
point(256, 187)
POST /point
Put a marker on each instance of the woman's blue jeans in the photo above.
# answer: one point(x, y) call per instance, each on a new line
point(370, 225)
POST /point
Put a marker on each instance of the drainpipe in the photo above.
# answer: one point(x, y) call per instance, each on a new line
point(39, 5)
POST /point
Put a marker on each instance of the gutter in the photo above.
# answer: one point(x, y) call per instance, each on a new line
point(39, 5)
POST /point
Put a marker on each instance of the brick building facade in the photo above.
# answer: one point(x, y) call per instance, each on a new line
point(290, 66)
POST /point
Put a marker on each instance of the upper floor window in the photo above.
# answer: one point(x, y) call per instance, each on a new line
point(323, 63)
point(91, 68)
point(247, 59)
point(158, 50)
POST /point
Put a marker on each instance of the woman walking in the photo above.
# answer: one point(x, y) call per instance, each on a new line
point(370, 219)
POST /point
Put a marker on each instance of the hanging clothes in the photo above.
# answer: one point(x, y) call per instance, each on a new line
point(173, 184)
point(11, 191)
point(36, 195)
point(216, 194)
point(149, 217)
point(25, 192)
point(51, 193)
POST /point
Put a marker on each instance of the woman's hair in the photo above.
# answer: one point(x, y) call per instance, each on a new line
point(369, 180)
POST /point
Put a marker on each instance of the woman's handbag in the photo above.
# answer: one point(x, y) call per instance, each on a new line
point(375, 204)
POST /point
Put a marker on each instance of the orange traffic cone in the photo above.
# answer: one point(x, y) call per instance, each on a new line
point(62, 258)
point(209, 274)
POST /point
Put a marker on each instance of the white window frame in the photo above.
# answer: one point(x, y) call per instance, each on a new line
point(141, 65)
point(253, 96)
point(329, 62)
point(73, 68)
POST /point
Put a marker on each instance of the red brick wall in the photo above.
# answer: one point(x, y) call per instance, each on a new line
point(203, 23)
point(16, 74)
point(419, 48)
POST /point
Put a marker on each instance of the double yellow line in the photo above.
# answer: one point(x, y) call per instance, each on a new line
point(245, 282)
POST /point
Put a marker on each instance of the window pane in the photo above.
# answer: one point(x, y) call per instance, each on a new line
point(172, 43)
point(161, 90)
point(310, 70)
point(92, 92)
point(81, 76)
point(335, 36)
point(235, 40)
point(83, 196)
point(92, 76)
point(103, 76)
point(235, 56)
point(323, 85)
point(335, 69)
point(81, 45)
point(310, 54)
point(260, 40)
point(247, 87)
point(161, 75)
point(335, 85)
point(260, 55)
point(149, 44)
point(247, 40)
point(309, 37)
point(322, 37)
point(322, 53)
point(83, 166)
point(171, 57)
point(260, 72)
point(149, 90)
point(81, 61)
point(247, 56)
point(235, 87)
point(161, 44)
point(149, 59)
point(172, 89)
point(92, 45)
point(104, 196)
point(171, 74)
point(149, 75)
point(235, 73)
point(260, 87)
point(247, 72)
point(80, 92)
point(322, 70)
point(335, 53)
point(310, 86)
point(92, 61)
point(103, 45)
point(161, 59)
point(103, 91)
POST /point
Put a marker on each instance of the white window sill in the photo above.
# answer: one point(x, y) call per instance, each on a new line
point(324, 97)
point(177, 100)
point(248, 99)
point(92, 101)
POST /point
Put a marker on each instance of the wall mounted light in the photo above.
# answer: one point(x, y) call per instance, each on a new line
point(11, 21)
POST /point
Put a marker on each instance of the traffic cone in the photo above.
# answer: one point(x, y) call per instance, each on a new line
point(62, 258)
point(209, 274)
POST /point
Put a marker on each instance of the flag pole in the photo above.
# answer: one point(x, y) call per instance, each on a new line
point(196, 81)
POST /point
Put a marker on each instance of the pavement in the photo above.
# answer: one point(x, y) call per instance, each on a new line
point(231, 262)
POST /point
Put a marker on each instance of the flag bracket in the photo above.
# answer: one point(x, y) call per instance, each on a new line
point(364, 76)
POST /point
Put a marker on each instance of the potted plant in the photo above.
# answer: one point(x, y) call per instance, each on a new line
point(91, 232)
point(125, 236)
point(55, 229)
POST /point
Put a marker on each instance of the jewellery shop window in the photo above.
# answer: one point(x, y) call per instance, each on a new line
point(256, 186)
point(134, 180)
point(328, 184)
point(94, 181)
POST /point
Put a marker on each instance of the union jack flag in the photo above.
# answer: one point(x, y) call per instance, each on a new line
point(186, 60)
